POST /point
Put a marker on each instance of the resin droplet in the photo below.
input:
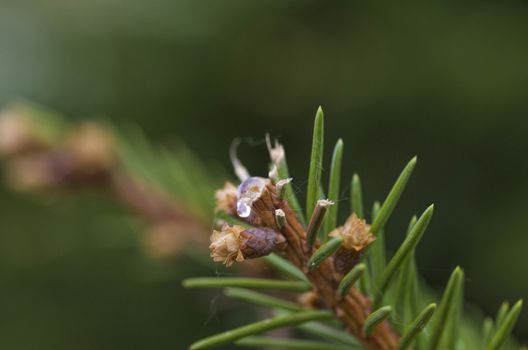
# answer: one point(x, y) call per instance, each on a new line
point(243, 209)
point(249, 191)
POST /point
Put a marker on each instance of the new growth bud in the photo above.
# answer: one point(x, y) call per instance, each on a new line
point(356, 238)
point(235, 243)
point(225, 245)
point(356, 234)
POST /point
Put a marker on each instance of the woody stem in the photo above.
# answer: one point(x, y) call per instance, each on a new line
point(353, 309)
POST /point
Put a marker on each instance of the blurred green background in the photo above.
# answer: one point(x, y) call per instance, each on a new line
point(446, 80)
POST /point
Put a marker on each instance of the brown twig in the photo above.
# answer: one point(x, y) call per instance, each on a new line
point(351, 310)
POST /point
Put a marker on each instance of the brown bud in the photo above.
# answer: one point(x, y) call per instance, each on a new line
point(345, 260)
point(257, 242)
point(356, 238)
point(235, 243)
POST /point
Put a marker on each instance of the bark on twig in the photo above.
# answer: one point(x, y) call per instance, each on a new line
point(351, 310)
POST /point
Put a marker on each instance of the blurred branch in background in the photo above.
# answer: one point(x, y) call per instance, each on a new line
point(171, 191)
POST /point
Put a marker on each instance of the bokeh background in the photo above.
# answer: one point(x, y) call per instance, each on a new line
point(446, 80)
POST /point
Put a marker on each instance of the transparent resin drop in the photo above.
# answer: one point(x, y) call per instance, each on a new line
point(248, 192)
point(243, 209)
